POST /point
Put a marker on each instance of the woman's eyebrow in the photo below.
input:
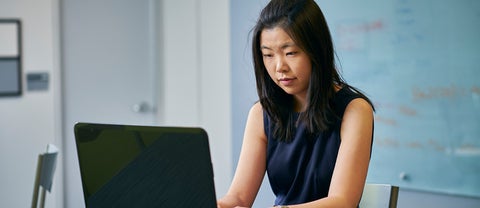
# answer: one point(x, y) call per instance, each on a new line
point(265, 47)
point(286, 45)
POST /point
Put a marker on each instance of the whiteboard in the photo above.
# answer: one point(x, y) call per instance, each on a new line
point(419, 62)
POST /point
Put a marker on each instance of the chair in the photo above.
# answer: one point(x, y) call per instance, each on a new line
point(379, 196)
point(44, 177)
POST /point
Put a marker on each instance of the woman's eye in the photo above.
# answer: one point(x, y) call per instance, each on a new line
point(267, 55)
point(291, 53)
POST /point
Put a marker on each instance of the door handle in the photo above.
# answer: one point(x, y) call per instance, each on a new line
point(143, 107)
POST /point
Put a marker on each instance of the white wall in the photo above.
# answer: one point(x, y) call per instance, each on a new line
point(192, 44)
point(196, 75)
point(195, 64)
point(30, 121)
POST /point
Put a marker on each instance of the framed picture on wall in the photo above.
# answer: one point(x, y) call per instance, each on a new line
point(10, 57)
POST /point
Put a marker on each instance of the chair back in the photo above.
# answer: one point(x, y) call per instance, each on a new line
point(46, 165)
point(379, 196)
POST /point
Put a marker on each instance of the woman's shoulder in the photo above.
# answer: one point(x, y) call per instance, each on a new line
point(255, 122)
point(355, 101)
point(256, 109)
point(359, 104)
point(348, 97)
point(256, 113)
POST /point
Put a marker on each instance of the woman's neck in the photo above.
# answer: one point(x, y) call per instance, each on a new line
point(300, 101)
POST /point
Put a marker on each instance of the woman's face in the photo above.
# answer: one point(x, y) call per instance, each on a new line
point(287, 64)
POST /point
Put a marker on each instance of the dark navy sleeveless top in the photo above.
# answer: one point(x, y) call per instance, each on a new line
point(300, 170)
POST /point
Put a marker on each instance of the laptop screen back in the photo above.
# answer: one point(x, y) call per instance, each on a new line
point(144, 166)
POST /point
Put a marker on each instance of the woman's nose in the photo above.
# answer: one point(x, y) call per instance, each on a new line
point(281, 65)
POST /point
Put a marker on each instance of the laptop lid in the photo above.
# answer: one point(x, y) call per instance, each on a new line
point(144, 166)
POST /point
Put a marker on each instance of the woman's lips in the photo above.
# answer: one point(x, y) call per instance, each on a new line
point(286, 81)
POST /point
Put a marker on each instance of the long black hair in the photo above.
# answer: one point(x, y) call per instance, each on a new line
point(305, 23)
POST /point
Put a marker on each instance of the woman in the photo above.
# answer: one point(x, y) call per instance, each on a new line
point(310, 131)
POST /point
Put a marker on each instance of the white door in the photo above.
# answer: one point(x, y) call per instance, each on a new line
point(108, 71)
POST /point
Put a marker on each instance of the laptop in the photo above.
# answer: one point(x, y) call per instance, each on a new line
point(144, 166)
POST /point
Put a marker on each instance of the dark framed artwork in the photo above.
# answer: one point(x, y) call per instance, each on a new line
point(10, 57)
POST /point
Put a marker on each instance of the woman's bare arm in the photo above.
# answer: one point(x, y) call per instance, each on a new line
point(251, 165)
